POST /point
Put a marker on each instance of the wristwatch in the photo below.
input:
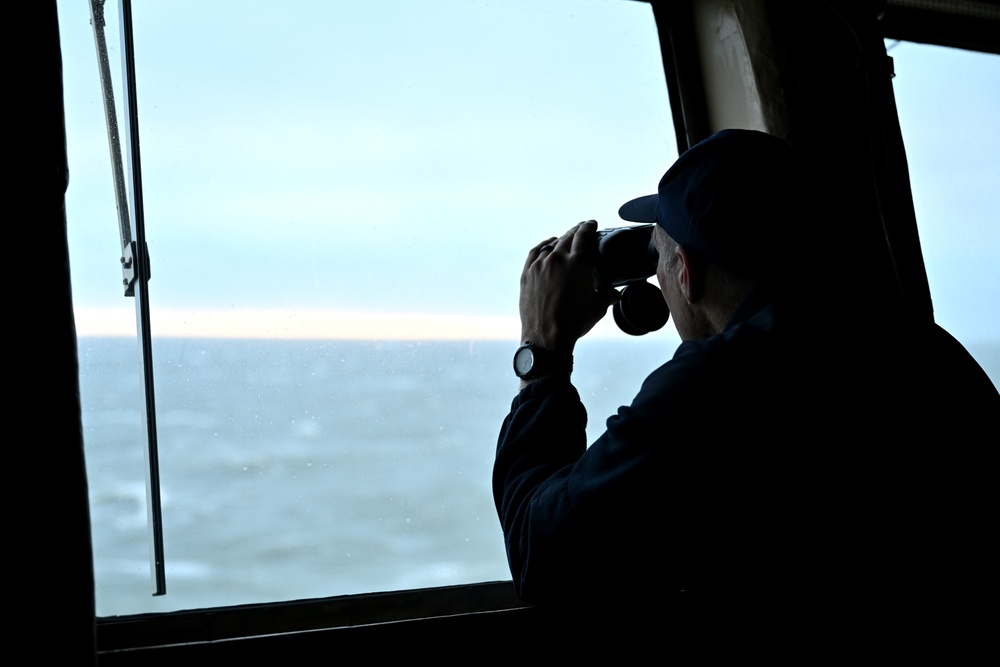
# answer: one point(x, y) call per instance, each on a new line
point(532, 361)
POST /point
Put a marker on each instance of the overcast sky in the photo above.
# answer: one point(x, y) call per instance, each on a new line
point(367, 169)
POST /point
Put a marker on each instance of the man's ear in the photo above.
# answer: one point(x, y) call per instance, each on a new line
point(689, 275)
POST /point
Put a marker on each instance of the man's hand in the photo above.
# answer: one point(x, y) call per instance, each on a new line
point(558, 301)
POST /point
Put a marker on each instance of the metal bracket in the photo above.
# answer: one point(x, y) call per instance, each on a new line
point(128, 260)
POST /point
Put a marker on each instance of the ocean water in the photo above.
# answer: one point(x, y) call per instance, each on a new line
point(301, 469)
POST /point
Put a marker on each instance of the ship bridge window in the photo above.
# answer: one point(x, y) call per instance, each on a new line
point(338, 200)
point(948, 101)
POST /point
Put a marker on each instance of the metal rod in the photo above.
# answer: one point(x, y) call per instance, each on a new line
point(98, 22)
point(141, 259)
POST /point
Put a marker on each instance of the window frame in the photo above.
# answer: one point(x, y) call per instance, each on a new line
point(485, 610)
point(117, 633)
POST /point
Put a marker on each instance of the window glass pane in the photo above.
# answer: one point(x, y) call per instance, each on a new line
point(339, 198)
point(948, 102)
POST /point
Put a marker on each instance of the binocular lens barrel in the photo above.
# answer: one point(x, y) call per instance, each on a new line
point(625, 258)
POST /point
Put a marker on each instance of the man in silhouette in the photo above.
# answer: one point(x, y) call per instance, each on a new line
point(806, 475)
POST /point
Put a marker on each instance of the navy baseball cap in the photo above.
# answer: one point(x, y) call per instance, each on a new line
point(735, 198)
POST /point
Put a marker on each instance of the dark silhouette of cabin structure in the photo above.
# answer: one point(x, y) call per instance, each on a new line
point(819, 75)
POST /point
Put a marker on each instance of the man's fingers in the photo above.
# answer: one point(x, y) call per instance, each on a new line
point(564, 242)
point(583, 237)
point(541, 249)
point(568, 242)
point(609, 295)
point(544, 244)
point(577, 239)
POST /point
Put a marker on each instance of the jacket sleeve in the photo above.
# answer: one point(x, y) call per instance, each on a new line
point(541, 438)
point(576, 521)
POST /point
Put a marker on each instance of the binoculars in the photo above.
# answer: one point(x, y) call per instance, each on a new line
point(626, 258)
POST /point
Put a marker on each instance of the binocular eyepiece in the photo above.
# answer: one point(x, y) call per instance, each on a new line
point(626, 258)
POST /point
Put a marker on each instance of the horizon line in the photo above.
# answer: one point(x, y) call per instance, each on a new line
point(287, 324)
point(295, 324)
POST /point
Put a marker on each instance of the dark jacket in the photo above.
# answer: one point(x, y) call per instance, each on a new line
point(807, 473)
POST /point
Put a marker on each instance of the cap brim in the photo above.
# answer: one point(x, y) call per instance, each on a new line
point(641, 209)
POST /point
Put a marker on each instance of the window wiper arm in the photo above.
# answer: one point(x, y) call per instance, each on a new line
point(135, 257)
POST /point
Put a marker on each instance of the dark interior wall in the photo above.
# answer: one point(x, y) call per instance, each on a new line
point(835, 85)
point(967, 24)
point(829, 85)
point(820, 77)
point(837, 101)
point(49, 547)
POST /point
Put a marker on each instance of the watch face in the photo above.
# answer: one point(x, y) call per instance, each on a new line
point(524, 360)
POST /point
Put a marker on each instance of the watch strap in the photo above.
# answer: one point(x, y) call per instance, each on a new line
point(545, 362)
